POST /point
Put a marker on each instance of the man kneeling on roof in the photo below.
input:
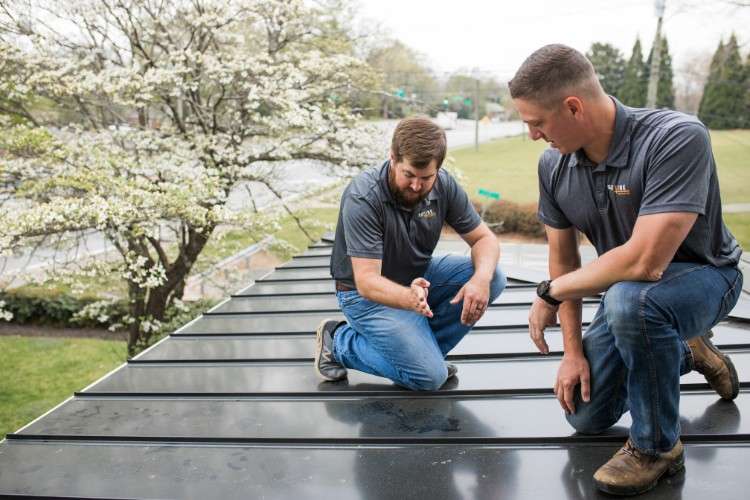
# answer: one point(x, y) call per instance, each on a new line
point(641, 184)
point(405, 309)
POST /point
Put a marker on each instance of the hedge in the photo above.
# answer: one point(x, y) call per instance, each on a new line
point(509, 217)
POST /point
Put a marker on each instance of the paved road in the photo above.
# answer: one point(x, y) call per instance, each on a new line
point(735, 208)
point(463, 134)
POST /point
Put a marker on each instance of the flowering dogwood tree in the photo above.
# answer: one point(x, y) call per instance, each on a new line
point(123, 114)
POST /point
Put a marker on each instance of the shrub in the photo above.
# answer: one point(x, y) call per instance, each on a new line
point(509, 217)
point(29, 306)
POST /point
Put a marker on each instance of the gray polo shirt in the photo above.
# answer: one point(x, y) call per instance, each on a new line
point(373, 225)
point(659, 161)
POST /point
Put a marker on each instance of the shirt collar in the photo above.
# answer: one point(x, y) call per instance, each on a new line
point(619, 148)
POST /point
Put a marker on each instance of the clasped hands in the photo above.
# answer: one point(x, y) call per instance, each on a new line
point(475, 295)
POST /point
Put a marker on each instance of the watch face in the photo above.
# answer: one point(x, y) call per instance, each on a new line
point(542, 288)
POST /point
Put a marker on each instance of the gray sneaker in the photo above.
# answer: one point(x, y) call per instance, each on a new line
point(325, 366)
point(452, 369)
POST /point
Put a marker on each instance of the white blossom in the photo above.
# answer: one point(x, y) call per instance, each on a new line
point(160, 110)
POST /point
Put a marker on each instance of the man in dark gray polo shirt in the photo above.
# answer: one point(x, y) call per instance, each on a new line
point(641, 185)
point(406, 309)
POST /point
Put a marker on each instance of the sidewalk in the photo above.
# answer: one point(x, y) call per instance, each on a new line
point(735, 208)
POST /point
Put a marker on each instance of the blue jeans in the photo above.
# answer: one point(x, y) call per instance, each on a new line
point(636, 348)
point(402, 345)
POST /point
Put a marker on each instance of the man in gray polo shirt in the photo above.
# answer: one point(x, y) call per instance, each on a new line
point(641, 184)
point(406, 309)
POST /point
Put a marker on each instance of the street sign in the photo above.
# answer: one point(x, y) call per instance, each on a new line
point(489, 194)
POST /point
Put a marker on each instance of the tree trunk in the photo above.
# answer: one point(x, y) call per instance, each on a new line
point(153, 304)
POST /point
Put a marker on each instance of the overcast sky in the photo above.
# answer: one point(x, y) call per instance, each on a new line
point(497, 35)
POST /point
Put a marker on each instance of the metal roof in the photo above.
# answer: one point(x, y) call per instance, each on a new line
point(229, 407)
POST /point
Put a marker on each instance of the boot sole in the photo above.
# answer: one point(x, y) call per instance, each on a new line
point(730, 366)
point(626, 491)
point(319, 352)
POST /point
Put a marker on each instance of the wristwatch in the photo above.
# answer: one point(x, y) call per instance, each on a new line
point(542, 291)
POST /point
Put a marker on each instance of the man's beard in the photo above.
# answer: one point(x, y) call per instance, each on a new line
point(398, 195)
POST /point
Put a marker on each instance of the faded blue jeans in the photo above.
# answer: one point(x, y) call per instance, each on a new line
point(402, 345)
point(636, 348)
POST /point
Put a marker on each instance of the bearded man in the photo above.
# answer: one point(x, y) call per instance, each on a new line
point(405, 309)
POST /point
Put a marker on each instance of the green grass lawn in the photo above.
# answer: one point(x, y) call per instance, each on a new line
point(732, 153)
point(509, 166)
point(36, 373)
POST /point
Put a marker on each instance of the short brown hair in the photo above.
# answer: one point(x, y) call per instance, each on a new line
point(552, 71)
point(418, 140)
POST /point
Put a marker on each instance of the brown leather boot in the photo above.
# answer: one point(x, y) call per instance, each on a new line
point(630, 472)
point(715, 366)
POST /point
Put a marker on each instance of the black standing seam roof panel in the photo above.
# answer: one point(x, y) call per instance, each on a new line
point(292, 377)
point(380, 472)
point(498, 419)
point(229, 407)
point(283, 322)
point(302, 303)
point(491, 343)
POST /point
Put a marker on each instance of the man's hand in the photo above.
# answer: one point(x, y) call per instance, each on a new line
point(475, 294)
point(574, 369)
point(541, 315)
point(418, 303)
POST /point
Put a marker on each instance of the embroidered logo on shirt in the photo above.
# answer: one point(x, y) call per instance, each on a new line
point(427, 213)
point(619, 189)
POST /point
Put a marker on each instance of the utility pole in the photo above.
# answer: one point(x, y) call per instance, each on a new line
point(653, 80)
point(476, 115)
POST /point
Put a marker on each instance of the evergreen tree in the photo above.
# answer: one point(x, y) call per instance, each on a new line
point(609, 66)
point(665, 87)
point(725, 92)
point(710, 102)
point(635, 84)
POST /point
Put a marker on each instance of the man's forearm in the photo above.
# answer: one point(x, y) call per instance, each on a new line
point(570, 313)
point(380, 289)
point(619, 264)
point(484, 255)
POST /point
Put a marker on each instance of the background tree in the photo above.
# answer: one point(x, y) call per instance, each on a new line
point(665, 86)
point(460, 90)
point(635, 82)
point(176, 103)
point(725, 92)
point(712, 107)
point(407, 85)
point(609, 66)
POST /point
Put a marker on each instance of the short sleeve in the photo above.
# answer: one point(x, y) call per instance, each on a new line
point(549, 211)
point(363, 229)
point(677, 177)
point(460, 214)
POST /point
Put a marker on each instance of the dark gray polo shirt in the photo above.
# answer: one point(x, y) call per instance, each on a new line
point(659, 161)
point(373, 225)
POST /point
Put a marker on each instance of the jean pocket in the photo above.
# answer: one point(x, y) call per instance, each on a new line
point(730, 298)
point(348, 297)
